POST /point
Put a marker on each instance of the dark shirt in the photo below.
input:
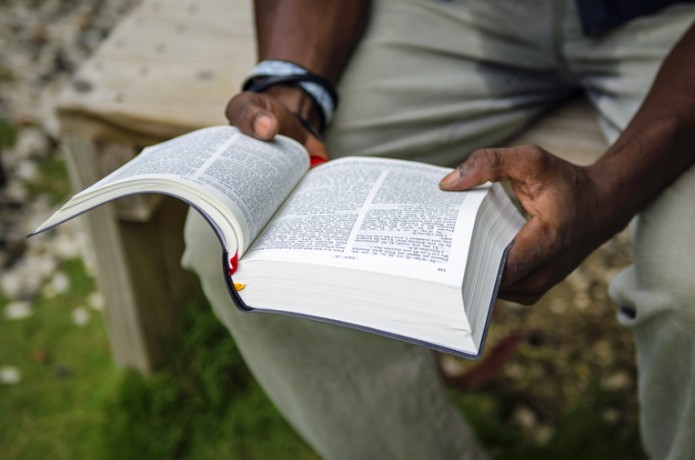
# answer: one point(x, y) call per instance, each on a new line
point(599, 16)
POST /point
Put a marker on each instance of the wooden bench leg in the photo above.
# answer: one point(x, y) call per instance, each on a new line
point(138, 269)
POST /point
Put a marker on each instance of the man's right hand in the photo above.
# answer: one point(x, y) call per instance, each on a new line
point(264, 115)
point(318, 36)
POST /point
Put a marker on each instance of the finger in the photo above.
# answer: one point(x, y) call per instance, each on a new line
point(250, 113)
point(532, 288)
point(536, 284)
point(263, 117)
point(522, 297)
point(533, 267)
point(529, 251)
point(519, 163)
point(291, 127)
point(265, 125)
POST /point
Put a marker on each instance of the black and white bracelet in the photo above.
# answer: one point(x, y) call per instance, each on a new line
point(320, 89)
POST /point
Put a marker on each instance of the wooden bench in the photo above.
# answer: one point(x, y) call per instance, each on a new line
point(169, 68)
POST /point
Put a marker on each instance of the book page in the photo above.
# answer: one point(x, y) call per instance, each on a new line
point(250, 178)
point(374, 214)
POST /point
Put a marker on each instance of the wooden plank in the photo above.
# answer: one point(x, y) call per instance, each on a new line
point(128, 342)
point(168, 68)
point(138, 265)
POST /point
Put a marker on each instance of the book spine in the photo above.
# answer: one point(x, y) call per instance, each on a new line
point(227, 270)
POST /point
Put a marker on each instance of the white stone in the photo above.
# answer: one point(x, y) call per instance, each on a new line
point(10, 375)
point(60, 282)
point(27, 171)
point(32, 271)
point(69, 241)
point(525, 418)
point(617, 381)
point(451, 366)
point(581, 300)
point(578, 281)
point(543, 434)
point(611, 415)
point(18, 310)
point(11, 284)
point(96, 301)
point(81, 316)
point(16, 191)
point(31, 143)
point(514, 370)
point(46, 265)
point(558, 305)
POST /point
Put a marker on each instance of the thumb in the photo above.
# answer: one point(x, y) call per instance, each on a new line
point(253, 115)
point(492, 165)
point(264, 126)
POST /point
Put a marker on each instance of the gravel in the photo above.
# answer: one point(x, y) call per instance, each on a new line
point(43, 43)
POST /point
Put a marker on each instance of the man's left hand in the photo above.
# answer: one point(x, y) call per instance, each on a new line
point(569, 217)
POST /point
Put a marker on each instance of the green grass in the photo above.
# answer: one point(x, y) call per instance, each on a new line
point(66, 374)
point(52, 183)
point(8, 132)
point(204, 405)
point(73, 403)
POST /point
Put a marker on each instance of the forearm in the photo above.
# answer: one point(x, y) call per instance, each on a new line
point(318, 35)
point(658, 144)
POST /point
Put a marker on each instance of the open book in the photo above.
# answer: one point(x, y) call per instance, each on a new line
point(368, 243)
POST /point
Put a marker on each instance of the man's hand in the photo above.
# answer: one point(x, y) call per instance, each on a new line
point(265, 115)
point(569, 217)
point(319, 36)
point(574, 209)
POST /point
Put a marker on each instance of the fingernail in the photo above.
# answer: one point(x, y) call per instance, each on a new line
point(450, 179)
point(262, 126)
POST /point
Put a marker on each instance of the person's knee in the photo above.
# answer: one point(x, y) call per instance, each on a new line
point(661, 282)
point(203, 251)
point(655, 290)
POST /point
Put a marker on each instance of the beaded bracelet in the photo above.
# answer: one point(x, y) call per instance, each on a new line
point(320, 89)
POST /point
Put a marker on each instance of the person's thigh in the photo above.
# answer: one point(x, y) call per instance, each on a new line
point(617, 69)
point(655, 295)
point(434, 79)
point(656, 299)
point(425, 84)
point(350, 394)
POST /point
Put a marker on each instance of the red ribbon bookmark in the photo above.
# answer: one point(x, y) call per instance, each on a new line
point(234, 260)
point(233, 263)
point(315, 161)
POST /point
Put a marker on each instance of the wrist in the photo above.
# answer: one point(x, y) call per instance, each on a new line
point(297, 102)
point(269, 73)
point(634, 170)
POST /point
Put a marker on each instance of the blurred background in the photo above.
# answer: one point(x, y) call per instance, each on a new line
point(558, 381)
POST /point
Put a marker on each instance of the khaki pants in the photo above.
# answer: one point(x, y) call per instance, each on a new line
point(431, 81)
